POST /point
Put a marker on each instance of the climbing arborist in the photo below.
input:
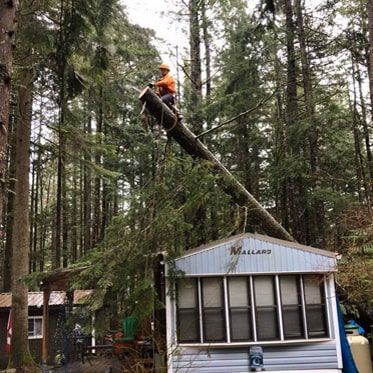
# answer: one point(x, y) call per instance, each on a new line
point(167, 89)
point(166, 85)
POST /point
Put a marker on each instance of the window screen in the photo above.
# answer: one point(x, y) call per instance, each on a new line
point(291, 307)
point(315, 306)
point(265, 308)
point(213, 310)
point(239, 309)
point(187, 311)
point(201, 317)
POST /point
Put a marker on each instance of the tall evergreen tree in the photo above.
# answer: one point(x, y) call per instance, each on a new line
point(8, 11)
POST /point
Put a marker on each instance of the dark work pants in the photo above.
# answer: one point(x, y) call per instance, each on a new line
point(168, 99)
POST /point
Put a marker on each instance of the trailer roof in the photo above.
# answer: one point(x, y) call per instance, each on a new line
point(260, 237)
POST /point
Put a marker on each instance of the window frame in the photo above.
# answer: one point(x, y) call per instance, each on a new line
point(275, 309)
point(34, 318)
point(323, 306)
point(249, 309)
point(196, 310)
point(278, 309)
point(221, 309)
point(299, 306)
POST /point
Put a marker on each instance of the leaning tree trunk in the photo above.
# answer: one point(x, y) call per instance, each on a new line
point(7, 26)
point(20, 357)
point(194, 147)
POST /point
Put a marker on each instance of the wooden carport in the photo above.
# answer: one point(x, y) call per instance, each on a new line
point(58, 280)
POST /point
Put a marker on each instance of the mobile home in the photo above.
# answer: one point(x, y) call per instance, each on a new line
point(249, 291)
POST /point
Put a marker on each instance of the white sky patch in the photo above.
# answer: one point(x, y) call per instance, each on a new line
point(160, 16)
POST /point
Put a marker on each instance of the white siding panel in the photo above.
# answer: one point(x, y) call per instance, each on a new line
point(282, 259)
point(300, 357)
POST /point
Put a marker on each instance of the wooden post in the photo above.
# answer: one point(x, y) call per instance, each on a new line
point(188, 141)
point(160, 313)
point(45, 324)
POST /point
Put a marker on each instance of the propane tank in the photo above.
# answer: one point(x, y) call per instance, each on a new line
point(360, 349)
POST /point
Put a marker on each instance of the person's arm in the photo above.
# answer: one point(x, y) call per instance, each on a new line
point(161, 83)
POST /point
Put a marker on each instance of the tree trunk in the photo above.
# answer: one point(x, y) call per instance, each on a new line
point(364, 122)
point(65, 216)
point(20, 357)
point(316, 225)
point(280, 179)
point(7, 269)
point(370, 51)
point(195, 64)
point(7, 27)
point(32, 214)
point(98, 182)
point(295, 183)
point(74, 217)
point(362, 184)
point(194, 147)
point(87, 195)
point(207, 45)
point(60, 178)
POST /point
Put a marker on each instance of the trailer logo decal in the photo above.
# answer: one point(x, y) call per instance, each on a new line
point(239, 251)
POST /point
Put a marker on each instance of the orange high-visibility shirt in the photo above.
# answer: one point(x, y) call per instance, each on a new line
point(166, 84)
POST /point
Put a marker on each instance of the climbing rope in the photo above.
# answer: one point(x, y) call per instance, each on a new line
point(143, 109)
point(162, 117)
point(173, 126)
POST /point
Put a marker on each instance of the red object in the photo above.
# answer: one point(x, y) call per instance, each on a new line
point(9, 333)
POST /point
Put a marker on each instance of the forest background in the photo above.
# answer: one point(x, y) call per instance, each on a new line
point(87, 179)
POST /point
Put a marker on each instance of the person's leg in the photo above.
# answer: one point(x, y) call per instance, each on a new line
point(168, 99)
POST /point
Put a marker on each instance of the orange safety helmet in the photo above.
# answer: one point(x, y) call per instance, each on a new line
point(164, 66)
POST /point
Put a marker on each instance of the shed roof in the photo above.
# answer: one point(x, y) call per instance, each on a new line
point(57, 298)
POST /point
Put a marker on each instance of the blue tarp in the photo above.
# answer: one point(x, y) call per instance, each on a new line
point(347, 358)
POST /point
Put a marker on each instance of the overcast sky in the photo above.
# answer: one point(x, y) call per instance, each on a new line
point(157, 15)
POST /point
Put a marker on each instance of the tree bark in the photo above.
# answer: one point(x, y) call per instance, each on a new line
point(207, 45)
point(195, 63)
point(7, 268)
point(20, 357)
point(7, 28)
point(370, 51)
point(295, 192)
point(87, 195)
point(364, 123)
point(74, 217)
point(98, 180)
point(316, 222)
point(362, 184)
point(194, 147)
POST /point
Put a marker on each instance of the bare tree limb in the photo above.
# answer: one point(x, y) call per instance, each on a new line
point(257, 106)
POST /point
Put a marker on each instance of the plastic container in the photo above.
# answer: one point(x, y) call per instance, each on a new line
point(360, 349)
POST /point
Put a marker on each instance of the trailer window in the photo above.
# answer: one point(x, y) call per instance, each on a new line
point(213, 309)
point(188, 314)
point(315, 306)
point(266, 308)
point(251, 308)
point(240, 309)
point(291, 300)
